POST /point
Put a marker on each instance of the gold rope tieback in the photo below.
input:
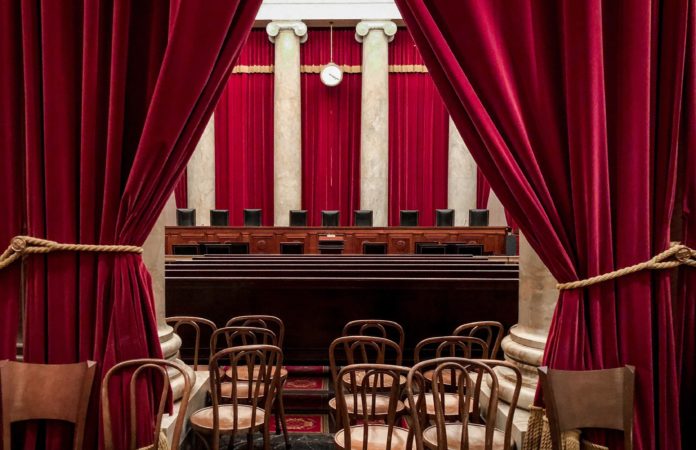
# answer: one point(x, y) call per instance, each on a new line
point(27, 245)
point(675, 256)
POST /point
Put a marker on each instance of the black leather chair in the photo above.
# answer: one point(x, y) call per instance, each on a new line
point(298, 218)
point(219, 217)
point(362, 217)
point(185, 217)
point(408, 218)
point(185, 249)
point(478, 217)
point(444, 217)
point(291, 248)
point(329, 218)
point(252, 217)
point(374, 248)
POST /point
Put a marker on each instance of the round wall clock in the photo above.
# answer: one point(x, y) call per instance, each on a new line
point(331, 74)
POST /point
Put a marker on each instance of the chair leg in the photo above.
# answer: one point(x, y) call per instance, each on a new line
point(250, 439)
point(280, 411)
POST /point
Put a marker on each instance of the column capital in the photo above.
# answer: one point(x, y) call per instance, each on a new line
point(364, 27)
point(296, 26)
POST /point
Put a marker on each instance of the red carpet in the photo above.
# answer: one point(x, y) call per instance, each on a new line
point(306, 384)
point(304, 423)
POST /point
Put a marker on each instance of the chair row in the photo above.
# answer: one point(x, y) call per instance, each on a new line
point(186, 217)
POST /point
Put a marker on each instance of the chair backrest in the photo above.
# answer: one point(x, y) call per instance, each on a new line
point(450, 347)
point(362, 217)
point(236, 336)
point(45, 392)
point(589, 399)
point(444, 217)
point(265, 362)
point(298, 218)
point(219, 217)
point(490, 331)
point(478, 217)
point(408, 218)
point(387, 329)
point(363, 383)
point(467, 385)
point(362, 350)
point(140, 370)
point(329, 218)
point(193, 322)
point(273, 323)
point(186, 217)
point(252, 217)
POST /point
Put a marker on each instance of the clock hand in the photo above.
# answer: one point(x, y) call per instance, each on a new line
point(333, 76)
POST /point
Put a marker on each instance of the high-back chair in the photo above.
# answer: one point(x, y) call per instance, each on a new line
point(490, 331)
point(589, 399)
point(45, 392)
point(363, 390)
point(387, 329)
point(140, 369)
point(459, 432)
point(219, 217)
point(241, 413)
point(194, 322)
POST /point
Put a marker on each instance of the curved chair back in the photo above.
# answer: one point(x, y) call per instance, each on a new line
point(450, 346)
point(490, 331)
point(363, 350)
point(387, 329)
point(194, 322)
point(45, 392)
point(272, 323)
point(141, 367)
point(242, 336)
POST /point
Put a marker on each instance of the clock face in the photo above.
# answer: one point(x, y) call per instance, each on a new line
point(331, 75)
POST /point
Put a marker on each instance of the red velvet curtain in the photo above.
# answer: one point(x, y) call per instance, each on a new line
point(418, 137)
point(572, 110)
point(181, 191)
point(330, 127)
point(483, 190)
point(101, 108)
point(244, 134)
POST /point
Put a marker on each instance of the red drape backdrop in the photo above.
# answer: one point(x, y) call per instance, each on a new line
point(181, 191)
point(483, 190)
point(418, 136)
point(244, 134)
point(101, 108)
point(572, 112)
point(330, 127)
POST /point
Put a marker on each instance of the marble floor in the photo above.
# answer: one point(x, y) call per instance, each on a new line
point(297, 442)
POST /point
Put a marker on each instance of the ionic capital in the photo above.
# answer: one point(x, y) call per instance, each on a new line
point(363, 28)
point(296, 26)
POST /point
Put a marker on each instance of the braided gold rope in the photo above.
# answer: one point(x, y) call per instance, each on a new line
point(675, 256)
point(27, 245)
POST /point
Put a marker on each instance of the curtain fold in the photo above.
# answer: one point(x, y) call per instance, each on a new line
point(181, 191)
point(331, 127)
point(418, 137)
point(572, 110)
point(244, 134)
point(483, 190)
point(102, 107)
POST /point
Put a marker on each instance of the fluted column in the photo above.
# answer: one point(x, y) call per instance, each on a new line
point(374, 117)
point(461, 178)
point(200, 175)
point(287, 118)
point(153, 257)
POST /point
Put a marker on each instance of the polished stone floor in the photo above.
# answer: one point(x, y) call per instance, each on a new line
point(297, 442)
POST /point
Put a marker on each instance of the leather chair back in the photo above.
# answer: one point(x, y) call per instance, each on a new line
point(219, 217)
point(329, 218)
point(298, 218)
point(444, 217)
point(362, 217)
point(408, 218)
point(252, 217)
point(185, 217)
point(478, 217)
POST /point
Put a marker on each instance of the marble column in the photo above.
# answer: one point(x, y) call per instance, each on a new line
point(287, 118)
point(461, 178)
point(496, 212)
point(200, 175)
point(153, 257)
point(374, 117)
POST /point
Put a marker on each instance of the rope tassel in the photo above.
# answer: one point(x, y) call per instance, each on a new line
point(675, 256)
point(26, 245)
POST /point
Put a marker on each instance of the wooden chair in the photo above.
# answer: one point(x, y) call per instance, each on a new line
point(458, 432)
point(376, 327)
point(45, 392)
point(449, 347)
point(363, 383)
point(177, 321)
point(490, 331)
point(589, 399)
point(141, 367)
point(275, 325)
point(364, 350)
point(254, 412)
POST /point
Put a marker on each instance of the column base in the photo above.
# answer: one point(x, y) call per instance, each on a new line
point(171, 343)
point(524, 349)
point(519, 422)
point(199, 389)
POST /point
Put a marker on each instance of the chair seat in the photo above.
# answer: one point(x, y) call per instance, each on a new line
point(451, 405)
point(242, 390)
point(381, 404)
point(376, 438)
point(243, 372)
point(202, 420)
point(477, 437)
point(446, 376)
point(360, 375)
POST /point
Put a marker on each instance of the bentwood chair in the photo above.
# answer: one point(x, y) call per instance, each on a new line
point(140, 370)
point(459, 432)
point(364, 381)
point(387, 329)
point(185, 217)
point(195, 323)
point(588, 399)
point(245, 413)
point(45, 392)
point(490, 331)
